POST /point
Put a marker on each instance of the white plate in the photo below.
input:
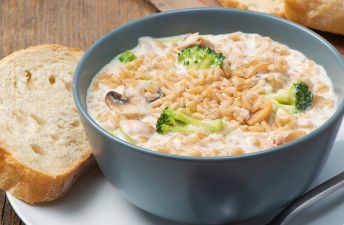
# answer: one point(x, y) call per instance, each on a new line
point(94, 201)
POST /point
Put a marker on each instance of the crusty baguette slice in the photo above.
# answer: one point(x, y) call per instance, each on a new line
point(273, 7)
point(325, 15)
point(43, 148)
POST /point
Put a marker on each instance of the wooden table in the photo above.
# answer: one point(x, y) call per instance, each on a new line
point(74, 23)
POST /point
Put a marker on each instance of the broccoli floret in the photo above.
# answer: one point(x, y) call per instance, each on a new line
point(121, 135)
point(198, 57)
point(175, 121)
point(296, 98)
point(127, 56)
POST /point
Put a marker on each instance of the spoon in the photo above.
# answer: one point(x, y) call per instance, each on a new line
point(319, 192)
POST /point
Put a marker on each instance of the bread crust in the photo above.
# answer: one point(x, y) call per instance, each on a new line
point(53, 47)
point(31, 185)
point(273, 7)
point(324, 15)
point(34, 186)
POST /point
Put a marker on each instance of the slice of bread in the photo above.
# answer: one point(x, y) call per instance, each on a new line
point(43, 147)
point(273, 7)
point(325, 15)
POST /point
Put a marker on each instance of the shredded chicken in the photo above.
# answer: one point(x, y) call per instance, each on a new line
point(195, 39)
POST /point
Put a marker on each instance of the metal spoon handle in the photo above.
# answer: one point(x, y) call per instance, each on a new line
point(309, 198)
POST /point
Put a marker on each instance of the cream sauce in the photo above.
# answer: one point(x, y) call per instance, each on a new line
point(238, 48)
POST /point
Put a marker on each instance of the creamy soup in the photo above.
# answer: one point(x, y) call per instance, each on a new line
point(210, 95)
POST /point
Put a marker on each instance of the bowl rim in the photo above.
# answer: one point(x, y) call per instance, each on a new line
point(336, 116)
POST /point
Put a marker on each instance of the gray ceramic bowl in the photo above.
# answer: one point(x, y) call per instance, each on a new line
point(210, 190)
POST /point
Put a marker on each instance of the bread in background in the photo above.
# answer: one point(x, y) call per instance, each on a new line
point(43, 147)
point(273, 7)
point(324, 15)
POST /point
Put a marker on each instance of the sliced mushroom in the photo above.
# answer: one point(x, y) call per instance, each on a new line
point(152, 96)
point(132, 107)
point(113, 98)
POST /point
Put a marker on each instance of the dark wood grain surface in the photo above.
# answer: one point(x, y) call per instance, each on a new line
point(74, 23)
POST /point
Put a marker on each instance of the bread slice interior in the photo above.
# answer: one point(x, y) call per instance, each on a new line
point(41, 136)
